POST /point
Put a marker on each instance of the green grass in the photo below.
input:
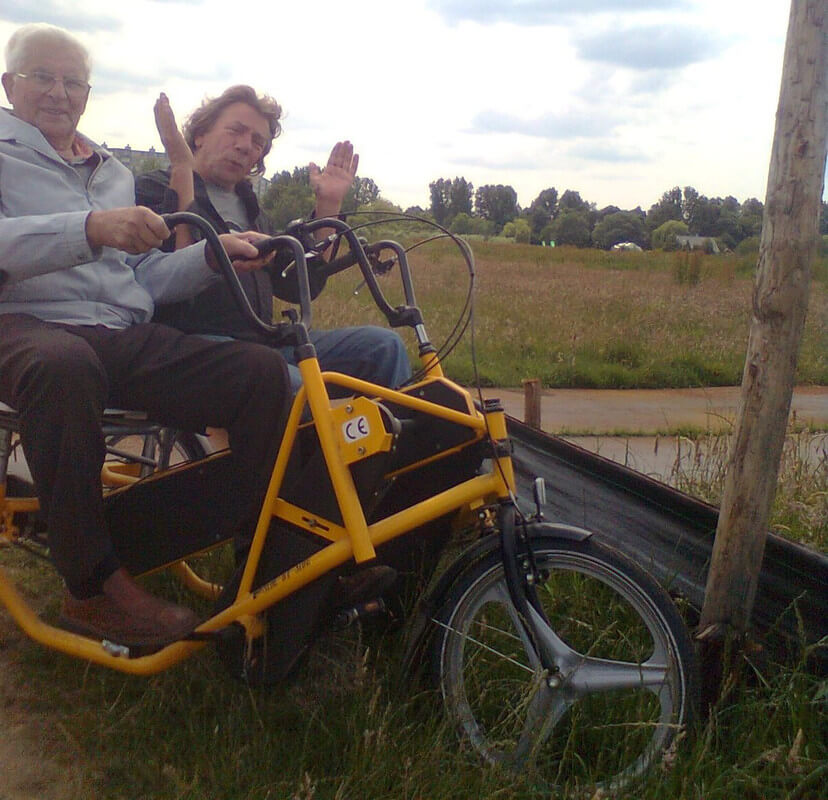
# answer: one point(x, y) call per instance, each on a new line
point(353, 726)
point(589, 318)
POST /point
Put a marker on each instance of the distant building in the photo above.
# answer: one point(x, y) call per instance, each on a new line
point(706, 243)
point(140, 161)
point(627, 246)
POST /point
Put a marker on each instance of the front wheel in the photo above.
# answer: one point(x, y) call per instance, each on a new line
point(625, 684)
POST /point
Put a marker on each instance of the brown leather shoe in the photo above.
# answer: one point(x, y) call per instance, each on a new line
point(127, 615)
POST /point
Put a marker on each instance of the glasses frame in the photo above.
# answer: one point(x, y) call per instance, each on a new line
point(70, 92)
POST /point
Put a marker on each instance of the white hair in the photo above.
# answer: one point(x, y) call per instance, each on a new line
point(25, 38)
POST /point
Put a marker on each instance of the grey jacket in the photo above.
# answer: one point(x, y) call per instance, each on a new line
point(47, 267)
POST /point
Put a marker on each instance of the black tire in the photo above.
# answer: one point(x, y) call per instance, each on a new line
point(610, 623)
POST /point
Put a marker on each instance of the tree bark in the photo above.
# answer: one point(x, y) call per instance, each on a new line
point(790, 233)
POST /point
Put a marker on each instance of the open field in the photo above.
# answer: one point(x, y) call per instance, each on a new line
point(590, 318)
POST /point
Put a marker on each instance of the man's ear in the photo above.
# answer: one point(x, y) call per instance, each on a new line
point(8, 82)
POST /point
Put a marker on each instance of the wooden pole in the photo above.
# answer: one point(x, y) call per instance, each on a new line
point(780, 298)
point(531, 403)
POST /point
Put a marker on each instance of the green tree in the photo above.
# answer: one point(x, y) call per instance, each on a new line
point(289, 197)
point(572, 227)
point(572, 201)
point(667, 208)
point(460, 197)
point(362, 192)
point(750, 217)
point(620, 226)
point(450, 198)
point(523, 233)
point(440, 191)
point(497, 204)
point(542, 211)
point(664, 236)
point(464, 224)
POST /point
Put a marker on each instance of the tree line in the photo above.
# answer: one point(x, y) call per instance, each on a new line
point(562, 219)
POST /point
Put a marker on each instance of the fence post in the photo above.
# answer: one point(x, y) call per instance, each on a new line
point(531, 403)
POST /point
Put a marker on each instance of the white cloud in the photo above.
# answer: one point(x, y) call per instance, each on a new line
point(616, 99)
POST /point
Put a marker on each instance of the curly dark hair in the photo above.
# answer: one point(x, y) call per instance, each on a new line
point(204, 117)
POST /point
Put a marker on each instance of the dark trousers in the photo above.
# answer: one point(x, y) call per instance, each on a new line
point(61, 377)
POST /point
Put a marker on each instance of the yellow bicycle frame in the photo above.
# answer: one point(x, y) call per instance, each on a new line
point(355, 538)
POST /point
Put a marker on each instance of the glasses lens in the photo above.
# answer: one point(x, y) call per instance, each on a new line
point(75, 87)
point(44, 81)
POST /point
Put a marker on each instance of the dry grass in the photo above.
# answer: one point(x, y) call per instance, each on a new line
point(586, 318)
point(800, 507)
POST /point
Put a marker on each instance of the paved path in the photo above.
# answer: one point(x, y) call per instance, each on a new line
point(650, 411)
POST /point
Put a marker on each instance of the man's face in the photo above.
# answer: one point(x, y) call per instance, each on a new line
point(55, 112)
point(232, 147)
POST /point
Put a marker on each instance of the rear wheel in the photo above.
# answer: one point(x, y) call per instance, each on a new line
point(157, 449)
point(626, 682)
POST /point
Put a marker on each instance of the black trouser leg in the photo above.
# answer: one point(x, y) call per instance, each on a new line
point(183, 381)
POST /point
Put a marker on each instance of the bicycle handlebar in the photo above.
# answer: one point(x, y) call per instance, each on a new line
point(232, 279)
point(359, 253)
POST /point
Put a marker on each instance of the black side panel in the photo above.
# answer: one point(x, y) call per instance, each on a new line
point(167, 516)
point(424, 436)
point(292, 624)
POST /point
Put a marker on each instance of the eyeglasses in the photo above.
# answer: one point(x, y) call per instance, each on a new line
point(45, 81)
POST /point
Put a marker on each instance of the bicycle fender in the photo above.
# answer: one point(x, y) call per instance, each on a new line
point(558, 530)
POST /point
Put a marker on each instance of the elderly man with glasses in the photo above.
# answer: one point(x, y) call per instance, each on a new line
point(79, 280)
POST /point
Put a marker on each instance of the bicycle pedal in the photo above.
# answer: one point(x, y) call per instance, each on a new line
point(370, 609)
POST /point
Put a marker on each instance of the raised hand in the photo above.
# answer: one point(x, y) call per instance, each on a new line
point(182, 164)
point(178, 151)
point(331, 184)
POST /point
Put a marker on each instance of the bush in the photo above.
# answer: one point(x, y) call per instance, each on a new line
point(664, 236)
point(748, 246)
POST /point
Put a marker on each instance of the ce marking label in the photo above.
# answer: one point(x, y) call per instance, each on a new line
point(355, 429)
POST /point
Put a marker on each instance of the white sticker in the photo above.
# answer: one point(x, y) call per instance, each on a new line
point(355, 429)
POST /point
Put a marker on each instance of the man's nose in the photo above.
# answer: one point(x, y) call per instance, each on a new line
point(244, 143)
point(58, 90)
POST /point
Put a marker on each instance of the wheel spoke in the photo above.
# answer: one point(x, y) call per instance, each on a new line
point(564, 656)
point(603, 675)
point(545, 711)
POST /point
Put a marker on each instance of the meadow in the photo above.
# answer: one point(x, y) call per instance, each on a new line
point(586, 318)
point(352, 725)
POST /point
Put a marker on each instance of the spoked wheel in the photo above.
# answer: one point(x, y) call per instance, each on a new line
point(626, 682)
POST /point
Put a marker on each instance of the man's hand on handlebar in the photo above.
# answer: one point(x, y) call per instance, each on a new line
point(242, 252)
point(134, 229)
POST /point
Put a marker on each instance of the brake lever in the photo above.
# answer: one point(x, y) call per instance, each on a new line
point(317, 250)
point(377, 267)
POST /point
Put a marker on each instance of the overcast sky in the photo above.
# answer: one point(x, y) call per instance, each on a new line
point(617, 99)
